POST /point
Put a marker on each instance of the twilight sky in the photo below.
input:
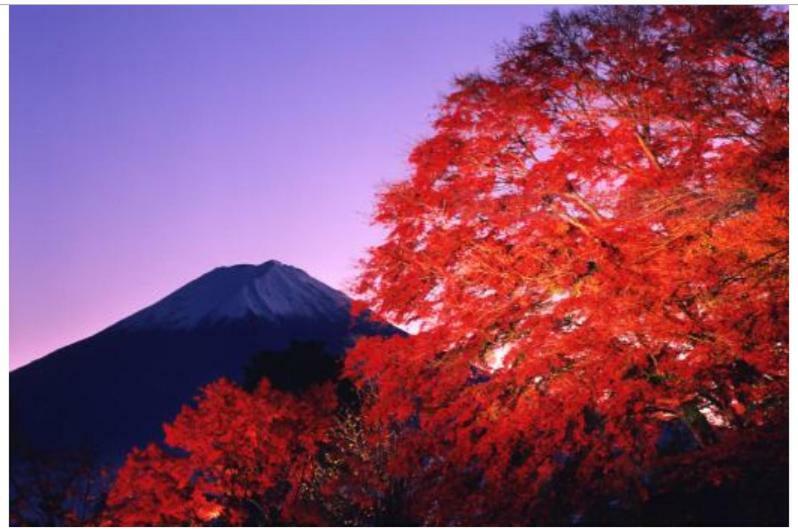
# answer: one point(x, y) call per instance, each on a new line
point(152, 144)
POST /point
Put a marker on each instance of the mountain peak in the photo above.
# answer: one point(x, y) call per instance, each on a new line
point(264, 267)
point(271, 291)
point(271, 263)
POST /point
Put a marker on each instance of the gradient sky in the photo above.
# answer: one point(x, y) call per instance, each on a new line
point(152, 144)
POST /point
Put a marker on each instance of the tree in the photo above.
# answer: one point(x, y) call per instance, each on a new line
point(302, 364)
point(259, 458)
point(55, 488)
point(594, 245)
point(236, 457)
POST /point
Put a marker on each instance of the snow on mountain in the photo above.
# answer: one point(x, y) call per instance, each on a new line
point(271, 291)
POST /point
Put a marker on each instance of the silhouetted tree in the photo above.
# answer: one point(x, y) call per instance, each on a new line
point(302, 364)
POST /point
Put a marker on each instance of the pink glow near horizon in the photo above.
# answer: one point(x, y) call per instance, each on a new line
point(152, 144)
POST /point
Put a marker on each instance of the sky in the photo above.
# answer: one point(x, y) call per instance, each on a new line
point(150, 145)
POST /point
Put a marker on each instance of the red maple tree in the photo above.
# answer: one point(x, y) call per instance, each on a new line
point(236, 457)
point(594, 244)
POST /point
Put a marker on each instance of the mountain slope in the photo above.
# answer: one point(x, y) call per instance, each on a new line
point(116, 388)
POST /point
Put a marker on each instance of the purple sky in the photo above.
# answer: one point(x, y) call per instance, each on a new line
point(152, 144)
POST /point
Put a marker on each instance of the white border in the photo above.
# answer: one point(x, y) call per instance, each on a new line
point(4, 190)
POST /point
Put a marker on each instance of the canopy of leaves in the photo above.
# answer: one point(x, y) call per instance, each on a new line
point(594, 243)
point(236, 457)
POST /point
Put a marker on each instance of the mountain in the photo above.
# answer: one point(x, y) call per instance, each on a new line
point(115, 389)
point(271, 292)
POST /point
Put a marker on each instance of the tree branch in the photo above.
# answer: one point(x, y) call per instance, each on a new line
point(649, 154)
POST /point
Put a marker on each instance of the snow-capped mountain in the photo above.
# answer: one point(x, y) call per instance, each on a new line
point(115, 389)
point(271, 292)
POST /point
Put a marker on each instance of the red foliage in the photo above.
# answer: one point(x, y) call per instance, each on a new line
point(235, 456)
point(594, 242)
